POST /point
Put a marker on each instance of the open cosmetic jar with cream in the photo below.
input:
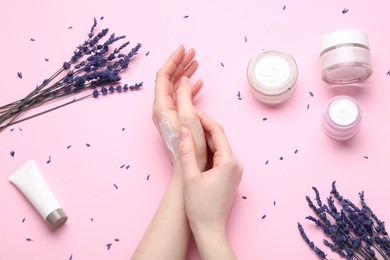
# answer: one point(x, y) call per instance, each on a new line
point(345, 57)
point(342, 117)
point(272, 75)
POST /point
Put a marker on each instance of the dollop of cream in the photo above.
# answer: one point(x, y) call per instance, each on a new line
point(272, 71)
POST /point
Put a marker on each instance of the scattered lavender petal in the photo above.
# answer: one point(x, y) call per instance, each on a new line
point(266, 162)
point(20, 129)
point(12, 153)
point(109, 246)
point(265, 118)
point(20, 75)
point(88, 145)
point(239, 95)
point(101, 18)
point(116, 187)
point(281, 158)
point(264, 216)
point(147, 53)
point(388, 73)
point(345, 10)
point(311, 94)
point(92, 219)
point(147, 178)
point(244, 197)
point(123, 165)
point(32, 39)
point(70, 27)
point(71, 256)
point(46, 59)
point(49, 161)
point(12, 129)
point(123, 129)
point(284, 8)
point(365, 157)
point(185, 17)
point(308, 106)
point(127, 167)
point(296, 151)
point(69, 146)
point(29, 239)
point(274, 202)
point(223, 65)
point(246, 39)
point(23, 220)
point(116, 239)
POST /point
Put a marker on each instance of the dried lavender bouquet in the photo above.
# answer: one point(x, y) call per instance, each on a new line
point(354, 233)
point(91, 66)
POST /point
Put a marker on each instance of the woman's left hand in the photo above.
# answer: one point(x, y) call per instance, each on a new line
point(173, 102)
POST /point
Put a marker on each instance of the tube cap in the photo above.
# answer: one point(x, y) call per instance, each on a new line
point(349, 36)
point(57, 218)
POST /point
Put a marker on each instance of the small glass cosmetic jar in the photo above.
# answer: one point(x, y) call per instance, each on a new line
point(272, 75)
point(345, 57)
point(342, 117)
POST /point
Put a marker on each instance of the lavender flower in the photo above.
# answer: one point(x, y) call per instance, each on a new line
point(318, 251)
point(92, 65)
point(356, 233)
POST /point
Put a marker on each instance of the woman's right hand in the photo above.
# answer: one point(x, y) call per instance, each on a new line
point(209, 195)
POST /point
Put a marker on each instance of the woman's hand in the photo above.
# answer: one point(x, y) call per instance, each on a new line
point(209, 195)
point(173, 105)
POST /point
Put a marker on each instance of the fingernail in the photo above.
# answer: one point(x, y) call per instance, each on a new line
point(185, 81)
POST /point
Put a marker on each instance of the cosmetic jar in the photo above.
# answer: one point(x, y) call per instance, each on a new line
point(342, 117)
point(272, 75)
point(345, 57)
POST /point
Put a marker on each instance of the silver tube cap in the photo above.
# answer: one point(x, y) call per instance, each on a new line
point(57, 218)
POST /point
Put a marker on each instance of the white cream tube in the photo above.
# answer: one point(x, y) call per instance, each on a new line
point(30, 182)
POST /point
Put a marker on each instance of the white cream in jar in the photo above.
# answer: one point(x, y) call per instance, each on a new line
point(272, 76)
point(342, 118)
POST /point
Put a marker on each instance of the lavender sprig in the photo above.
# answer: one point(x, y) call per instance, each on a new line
point(356, 233)
point(92, 65)
point(318, 251)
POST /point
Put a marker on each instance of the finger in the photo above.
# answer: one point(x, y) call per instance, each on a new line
point(187, 154)
point(191, 69)
point(184, 98)
point(196, 88)
point(165, 73)
point(163, 90)
point(170, 66)
point(215, 134)
point(185, 63)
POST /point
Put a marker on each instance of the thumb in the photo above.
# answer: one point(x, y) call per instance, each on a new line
point(187, 153)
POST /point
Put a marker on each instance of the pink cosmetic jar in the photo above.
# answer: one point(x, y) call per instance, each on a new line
point(272, 75)
point(345, 57)
point(342, 117)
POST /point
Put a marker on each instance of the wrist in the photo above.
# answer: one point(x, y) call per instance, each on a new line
point(212, 241)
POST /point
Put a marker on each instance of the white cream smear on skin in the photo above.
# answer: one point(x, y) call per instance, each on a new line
point(169, 135)
point(272, 71)
point(343, 111)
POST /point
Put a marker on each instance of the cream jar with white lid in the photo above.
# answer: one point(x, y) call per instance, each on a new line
point(342, 118)
point(272, 75)
point(345, 57)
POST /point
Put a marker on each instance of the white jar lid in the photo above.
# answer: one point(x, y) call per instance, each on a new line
point(349, 36)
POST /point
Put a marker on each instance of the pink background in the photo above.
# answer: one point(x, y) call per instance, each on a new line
point(83, 178)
